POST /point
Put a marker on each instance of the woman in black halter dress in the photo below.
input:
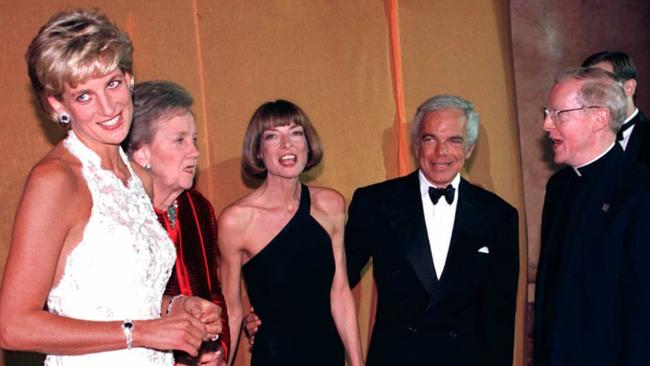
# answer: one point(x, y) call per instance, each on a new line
point(289, 283)
point(286, 240)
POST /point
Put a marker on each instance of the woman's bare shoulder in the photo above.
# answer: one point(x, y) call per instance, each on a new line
point(55, 187)
point(237, 215)
point(327, 200)
point(57, 172)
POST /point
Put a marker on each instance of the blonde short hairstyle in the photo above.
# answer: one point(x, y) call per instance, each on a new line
point(273, 114)
point(72, 47)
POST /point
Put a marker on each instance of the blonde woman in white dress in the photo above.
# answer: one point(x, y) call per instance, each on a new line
point(86, 241)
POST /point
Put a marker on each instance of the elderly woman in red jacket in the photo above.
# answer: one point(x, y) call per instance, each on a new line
point(163, 141)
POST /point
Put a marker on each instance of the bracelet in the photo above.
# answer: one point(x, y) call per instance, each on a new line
point(127, 329)
point(171, 302)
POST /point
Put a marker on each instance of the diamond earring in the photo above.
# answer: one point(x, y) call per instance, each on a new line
point(64, 118)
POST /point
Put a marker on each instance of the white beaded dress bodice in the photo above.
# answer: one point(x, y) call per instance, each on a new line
point(121, 266)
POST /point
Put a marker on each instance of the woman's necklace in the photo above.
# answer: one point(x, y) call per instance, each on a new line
point(172, 213)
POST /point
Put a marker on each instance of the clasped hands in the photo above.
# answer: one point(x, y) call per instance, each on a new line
point(191, 321)
point(209, 315)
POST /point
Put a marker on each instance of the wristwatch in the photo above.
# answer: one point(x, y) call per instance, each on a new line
point(127, 329)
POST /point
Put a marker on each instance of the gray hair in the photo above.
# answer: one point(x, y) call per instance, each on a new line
point(439, 102)
point(154, 101)
point(599, 88)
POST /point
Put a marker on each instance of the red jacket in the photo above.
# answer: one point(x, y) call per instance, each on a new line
point(195, 238)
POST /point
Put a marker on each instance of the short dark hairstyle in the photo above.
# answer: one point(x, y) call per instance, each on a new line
point(273, 114)
point(154, 101)
point(621, 62)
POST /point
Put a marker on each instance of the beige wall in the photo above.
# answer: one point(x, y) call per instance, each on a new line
point(330, 57)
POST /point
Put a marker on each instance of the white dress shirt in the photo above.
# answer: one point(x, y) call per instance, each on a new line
point(439, 220)
point(627, 133)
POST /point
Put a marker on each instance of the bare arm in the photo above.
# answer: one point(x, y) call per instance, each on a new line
point(39, 248)
point(217, 294)
point(342, 301)
point(231, 249)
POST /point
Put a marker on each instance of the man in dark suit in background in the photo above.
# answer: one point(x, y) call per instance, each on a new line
point(634, 135)
point(445, 252)
point(592, 303)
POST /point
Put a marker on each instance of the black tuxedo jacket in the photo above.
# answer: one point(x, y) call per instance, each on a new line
point(592, 303)
point(639, 144)
point(465, 318)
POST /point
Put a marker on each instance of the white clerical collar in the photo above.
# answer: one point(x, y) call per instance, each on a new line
point(575, 168)
point(425, 184)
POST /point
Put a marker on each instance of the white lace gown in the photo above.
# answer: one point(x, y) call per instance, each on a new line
point(121, 266)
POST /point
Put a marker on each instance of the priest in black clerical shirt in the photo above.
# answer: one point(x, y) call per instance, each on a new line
point(592, 303)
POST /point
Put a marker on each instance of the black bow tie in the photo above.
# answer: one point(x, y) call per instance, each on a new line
point(436, 193)
point(619, 134)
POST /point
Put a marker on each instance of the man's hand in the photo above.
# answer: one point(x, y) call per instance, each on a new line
point(251, 325)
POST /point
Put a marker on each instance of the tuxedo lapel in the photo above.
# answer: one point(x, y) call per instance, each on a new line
point(638, 147)
point(467, 233)
point(409, 214)
point(634, 144)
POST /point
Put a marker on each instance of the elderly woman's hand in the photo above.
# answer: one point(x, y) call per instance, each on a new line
point(206, 311)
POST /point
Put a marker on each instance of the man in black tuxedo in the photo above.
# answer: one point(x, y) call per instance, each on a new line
point(445, 252)
point(634, 135)
point(592, 303)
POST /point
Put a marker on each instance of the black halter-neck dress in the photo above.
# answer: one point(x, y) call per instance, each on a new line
point(289, 284)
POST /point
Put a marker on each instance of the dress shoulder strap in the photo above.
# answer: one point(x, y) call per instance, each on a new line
point(305, 199)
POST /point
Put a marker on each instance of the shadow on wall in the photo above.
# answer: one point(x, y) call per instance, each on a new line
point(547, 154)
point(226, 180)
point(51, 130)
point(477, 167)
point(389, 148)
